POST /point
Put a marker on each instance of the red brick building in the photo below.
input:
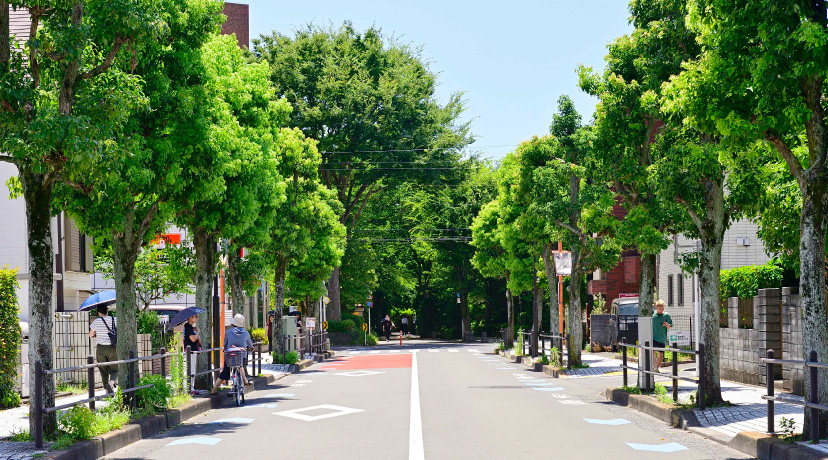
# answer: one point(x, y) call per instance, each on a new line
point(623, 278)
point(238, 23)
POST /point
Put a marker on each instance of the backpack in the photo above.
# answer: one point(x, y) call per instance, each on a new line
point(112, 333)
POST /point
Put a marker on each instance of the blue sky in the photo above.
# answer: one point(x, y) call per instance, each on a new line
point(512, 59)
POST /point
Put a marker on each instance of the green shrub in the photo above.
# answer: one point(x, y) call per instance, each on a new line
point(112, 416)
point(9, 337)
point(745, 282)
point(555, 357)
point(259, 335)
point(179, 384)
point(155, 397)
point(290, 357)
point(78, 422)
point(371, 339)
point(346, 325)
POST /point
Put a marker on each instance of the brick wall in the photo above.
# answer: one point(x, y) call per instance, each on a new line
point(238, 22)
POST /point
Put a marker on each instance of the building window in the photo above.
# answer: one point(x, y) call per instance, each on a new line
point(680, 289)
point(670, 290)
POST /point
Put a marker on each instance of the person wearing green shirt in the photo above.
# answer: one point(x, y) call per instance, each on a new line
point(661, 324)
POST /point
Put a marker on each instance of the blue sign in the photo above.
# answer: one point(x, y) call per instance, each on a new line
point(370, 304)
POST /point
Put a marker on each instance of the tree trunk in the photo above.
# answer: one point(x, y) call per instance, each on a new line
point(234, 279)
point(205, 248)
point(647, 285)
point(125, 253)
point(552, 280)
point(812, 296)
point(279, 304)
point(510, 315)
point(464, 313)
point(335, 305)
point(38, 195)
point(575, 333)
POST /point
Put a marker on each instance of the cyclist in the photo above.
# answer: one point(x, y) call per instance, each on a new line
point(235, 339)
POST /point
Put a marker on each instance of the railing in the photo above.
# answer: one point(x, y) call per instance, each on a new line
point(37, 395)
point(310, 343)
point(526, 338)
point(812, 365)
point(190, 355)
point(560, 339)
point(644, 353)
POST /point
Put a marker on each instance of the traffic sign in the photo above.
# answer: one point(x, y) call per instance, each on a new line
point(364, 327)
point(325, 325)
point(370, 304)
point(310, 323)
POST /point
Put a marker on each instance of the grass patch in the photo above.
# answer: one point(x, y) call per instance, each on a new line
point(580, 366)
point(74, 388)
point(662, 395)
point(19, 436)
point(63, 442)
point(178, 400)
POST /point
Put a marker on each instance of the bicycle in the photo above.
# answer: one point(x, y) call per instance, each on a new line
point(235, 361)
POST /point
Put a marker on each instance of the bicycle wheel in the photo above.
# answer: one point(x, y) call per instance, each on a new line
point(237, 388)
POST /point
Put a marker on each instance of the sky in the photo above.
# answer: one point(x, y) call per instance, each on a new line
point(512, 60)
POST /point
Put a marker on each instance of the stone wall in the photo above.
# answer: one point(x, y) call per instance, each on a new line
point(740, 348)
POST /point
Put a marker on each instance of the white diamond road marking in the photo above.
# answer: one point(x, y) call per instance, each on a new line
point(666, 448)
point(280, 395)
point(612, 422)
point(337, 411)
point(548, 389)
point(254, 406)
point(233, 420)
point(199, 440)
point(359, 373)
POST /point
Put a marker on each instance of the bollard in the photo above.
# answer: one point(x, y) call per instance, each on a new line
point(163, 352)
point(675, 373)
point(568, 345)
point(769, 374)
point(702, 376)
point(260, 360)
point(647, 352)
point(37, 400)
point(131, 379)
point(624, 359)
point(400, 339)
point(90, 381)
point(813, 398)
point(189, 368)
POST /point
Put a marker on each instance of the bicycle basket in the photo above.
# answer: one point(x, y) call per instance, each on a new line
point(233, 359)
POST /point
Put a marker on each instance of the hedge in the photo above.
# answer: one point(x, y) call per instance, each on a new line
point(745, 282)
point(9, 337)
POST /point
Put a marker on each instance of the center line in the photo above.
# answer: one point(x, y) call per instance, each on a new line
point(415, 432)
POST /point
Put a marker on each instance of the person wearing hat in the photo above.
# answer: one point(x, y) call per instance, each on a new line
point(235, 338)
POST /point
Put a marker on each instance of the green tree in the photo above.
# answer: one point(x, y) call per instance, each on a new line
point(370, 103)
point(65, 94)
point(158, 272)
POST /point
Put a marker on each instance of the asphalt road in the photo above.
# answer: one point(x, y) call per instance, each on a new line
point(426, 401)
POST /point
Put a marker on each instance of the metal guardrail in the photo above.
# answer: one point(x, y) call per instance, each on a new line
point(189, 353)
point(561, 340)
point(40, 373)
point(812, 365)
point(673, 375)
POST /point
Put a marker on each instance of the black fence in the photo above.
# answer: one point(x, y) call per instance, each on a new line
point(644, 355)
point(556, 341)
point(192, 355)
point(40, 373)
point(812, 366)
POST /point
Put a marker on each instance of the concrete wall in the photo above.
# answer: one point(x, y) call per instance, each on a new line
point(740, 349)
point(793, 377)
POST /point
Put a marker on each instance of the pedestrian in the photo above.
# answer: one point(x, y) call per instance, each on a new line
point(662, 322)
point(235, 338)
point(104, 330)
point(192, 340)
point(404, 322)
point(386, 327)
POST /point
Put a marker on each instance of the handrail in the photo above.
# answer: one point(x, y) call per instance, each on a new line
point(105, 363)
point(812, 365)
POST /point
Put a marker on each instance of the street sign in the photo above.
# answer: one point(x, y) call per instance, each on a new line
point(680, 338)
point(369, 304)
point(563, 263)
point(364, 327)
point(325, 325)
point(163, 319)
point(310, 323)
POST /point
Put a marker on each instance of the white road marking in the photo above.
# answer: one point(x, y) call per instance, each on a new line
point(454, 351)
point(612, 422)
point(539, 384)
point(199, 440)
point(666, 448)
point(354, 352)
point(298, 385)
point(504, 368)
point(254, 406)
point(233, 420)
point(433, 351)
point(559, 396)
point(416, 451)
point(359, 373)
point(394, 351)
point(572, 402)
point(373, 352)
point(531, 380)
point(304, 381)
point(549, 389)
point(336, 412)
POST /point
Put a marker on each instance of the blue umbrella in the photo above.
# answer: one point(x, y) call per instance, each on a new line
point(106, 298)
point(184, 315)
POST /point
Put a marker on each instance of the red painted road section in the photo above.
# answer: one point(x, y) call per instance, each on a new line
point(368, 362)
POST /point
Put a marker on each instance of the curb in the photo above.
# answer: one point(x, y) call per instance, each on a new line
point(146, 427)
point(753, 443)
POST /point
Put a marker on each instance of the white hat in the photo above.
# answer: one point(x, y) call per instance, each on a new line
point(238, 320)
